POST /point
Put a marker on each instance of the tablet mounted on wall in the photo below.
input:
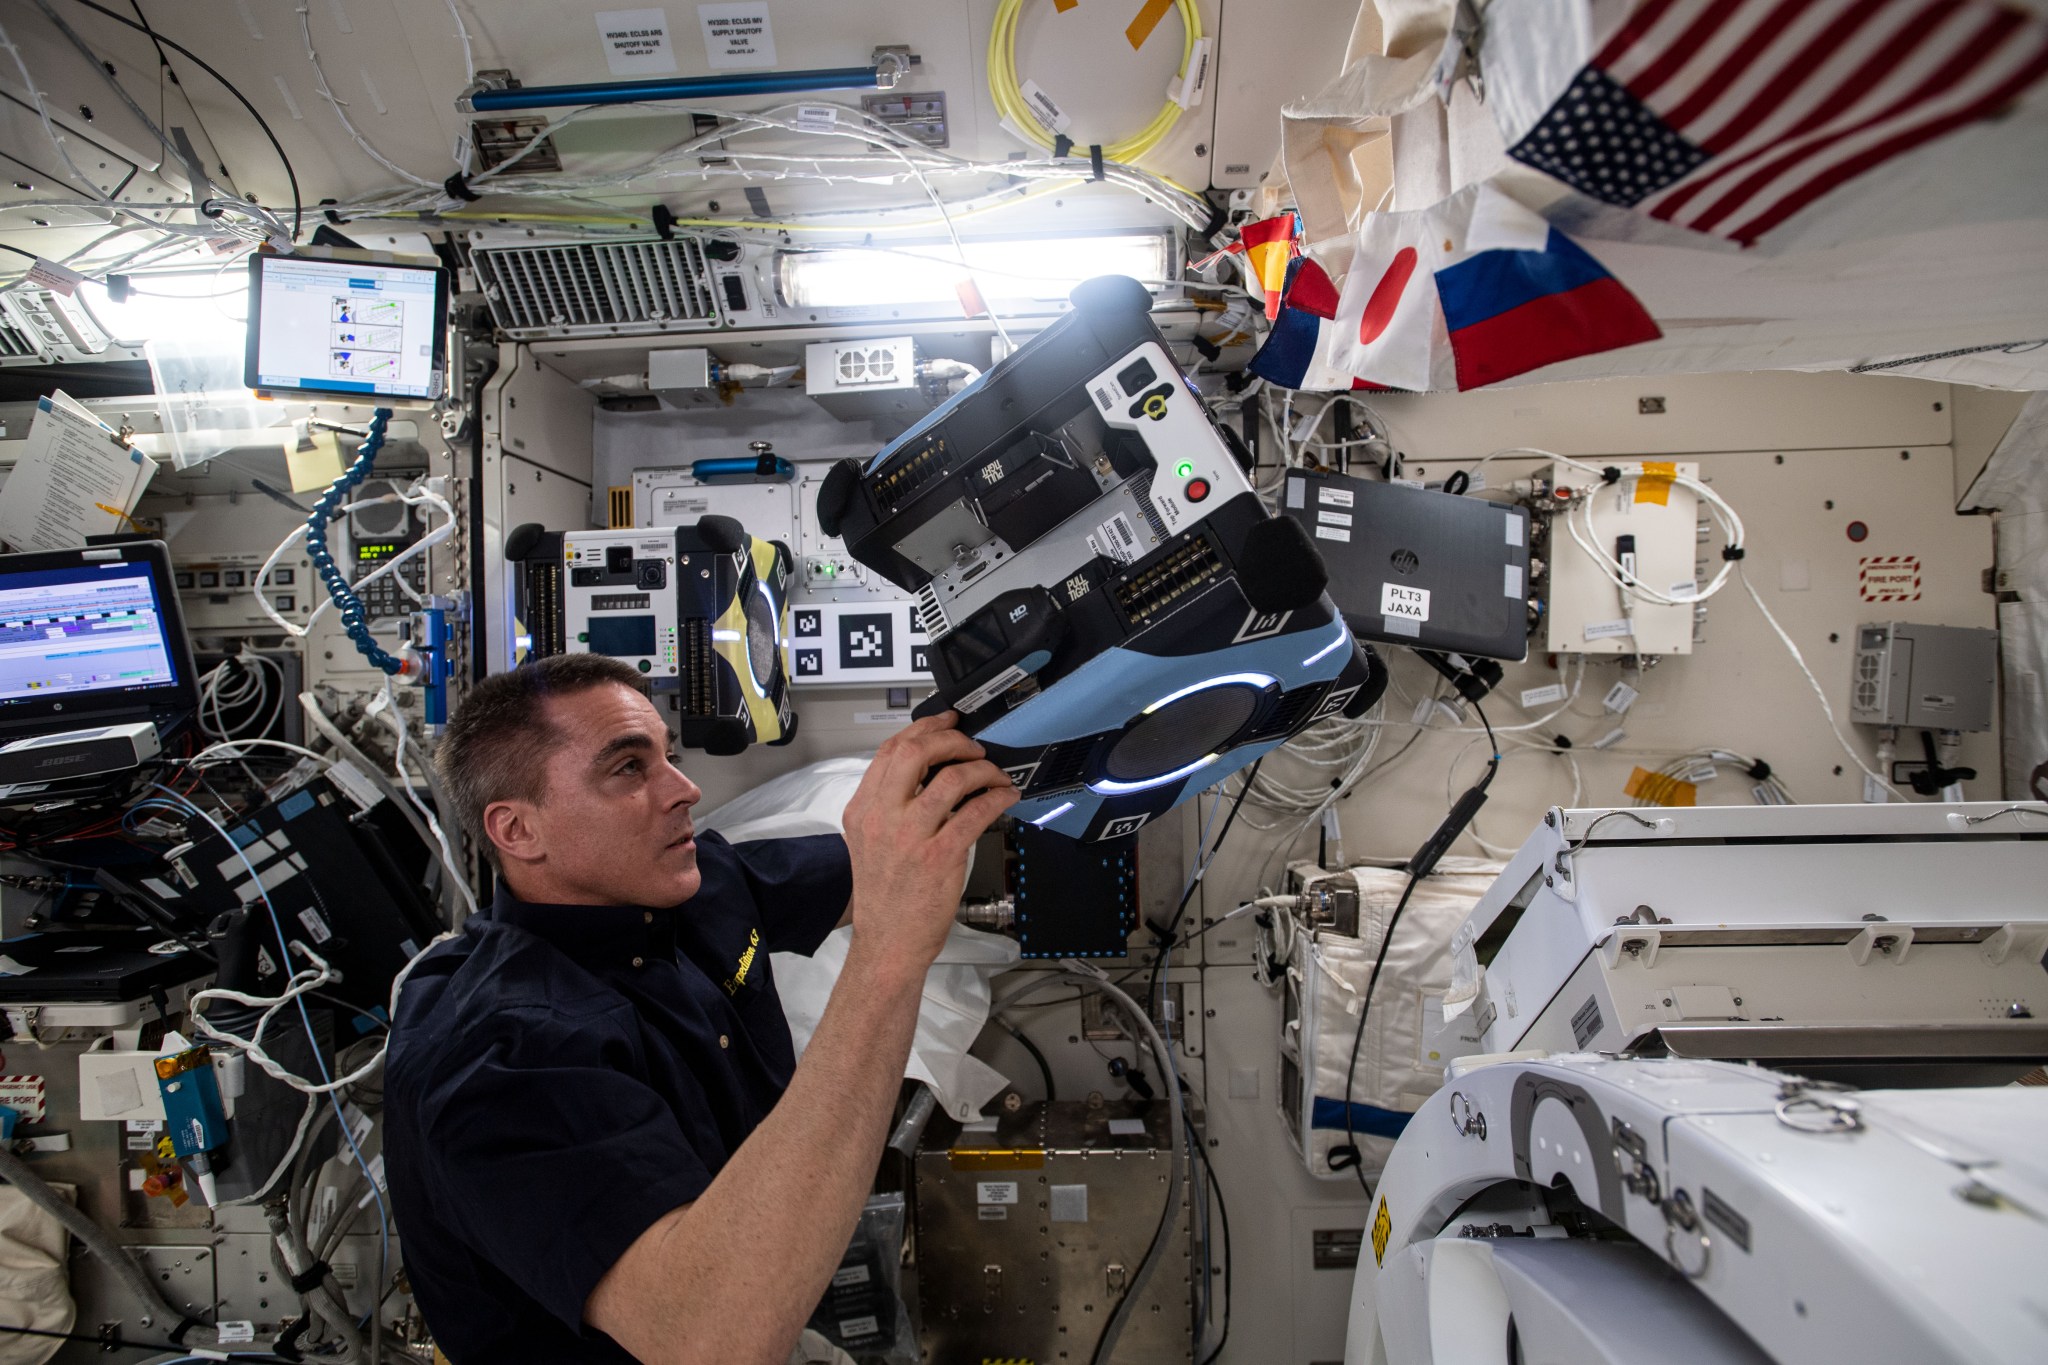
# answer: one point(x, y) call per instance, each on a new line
point(357, 326)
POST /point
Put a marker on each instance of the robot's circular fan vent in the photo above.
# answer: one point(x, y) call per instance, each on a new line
point(1181, 732)
point(761, 640)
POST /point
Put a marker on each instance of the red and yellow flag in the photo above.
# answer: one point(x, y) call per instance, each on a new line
point(1268, 244)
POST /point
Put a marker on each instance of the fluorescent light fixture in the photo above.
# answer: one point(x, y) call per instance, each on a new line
point(1034, 270)
point(1225, 680)
point(1055, 813)
point(1106, 787)
point(1343, 634)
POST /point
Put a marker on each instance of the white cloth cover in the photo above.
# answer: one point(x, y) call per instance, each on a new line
point(1392, 1071)
point(812, 800)
point(2015, 485)
point(35, 1283)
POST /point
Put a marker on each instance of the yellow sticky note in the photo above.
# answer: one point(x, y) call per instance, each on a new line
point(1655, 484)
point(314, 463)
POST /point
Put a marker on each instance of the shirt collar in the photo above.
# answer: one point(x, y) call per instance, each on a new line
point(594, 935)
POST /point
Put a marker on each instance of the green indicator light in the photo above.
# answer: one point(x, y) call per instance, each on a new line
point(1185, 469)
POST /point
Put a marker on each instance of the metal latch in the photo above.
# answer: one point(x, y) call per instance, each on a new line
point(1632, 1155)
point(991, 1287)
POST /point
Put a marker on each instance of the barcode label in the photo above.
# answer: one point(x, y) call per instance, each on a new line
point(1049, 115)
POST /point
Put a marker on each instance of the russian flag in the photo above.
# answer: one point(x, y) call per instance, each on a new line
point(1523, 295)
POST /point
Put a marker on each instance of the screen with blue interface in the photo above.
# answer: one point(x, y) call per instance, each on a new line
point(90, 629)
point(346, 326)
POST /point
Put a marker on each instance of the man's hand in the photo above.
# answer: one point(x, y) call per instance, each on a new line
point(909, 844)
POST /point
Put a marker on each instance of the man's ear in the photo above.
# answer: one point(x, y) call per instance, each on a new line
point(514, 826)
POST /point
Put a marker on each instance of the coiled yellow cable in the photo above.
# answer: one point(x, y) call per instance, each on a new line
point(1009, 95)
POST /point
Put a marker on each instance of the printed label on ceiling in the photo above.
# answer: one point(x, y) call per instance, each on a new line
point(737, 37)
point(636, 42)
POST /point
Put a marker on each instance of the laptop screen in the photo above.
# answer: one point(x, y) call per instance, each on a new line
point(95, 628)
point(88, 634)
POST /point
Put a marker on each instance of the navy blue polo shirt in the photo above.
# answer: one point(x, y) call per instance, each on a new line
point(562, 1076)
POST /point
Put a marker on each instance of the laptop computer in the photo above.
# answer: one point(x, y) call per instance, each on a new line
point(93, 966)
point(1414, 567)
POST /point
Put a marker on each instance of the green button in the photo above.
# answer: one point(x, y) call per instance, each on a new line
point(646, 667)
point(583, 637)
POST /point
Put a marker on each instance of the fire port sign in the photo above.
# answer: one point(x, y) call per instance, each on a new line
point(1889, 578)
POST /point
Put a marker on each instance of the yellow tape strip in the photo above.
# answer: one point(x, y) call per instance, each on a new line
point(1062, 6)
point(1660, 790)
point(1655, 484)
point(997, 1158)
point(1147, 20)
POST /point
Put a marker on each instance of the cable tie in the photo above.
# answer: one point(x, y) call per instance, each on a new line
point(664, 222)
point(1611, 474)
point(307, 1280)
point(1207, 349)
point(184, 1325)
point(1095, 159)
point(1343, 1158)
point(1732, 552)
point(1218, 216)
point(458, 185)
point(1759, 770)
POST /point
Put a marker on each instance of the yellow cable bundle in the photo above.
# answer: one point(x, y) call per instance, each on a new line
point(1009, 96)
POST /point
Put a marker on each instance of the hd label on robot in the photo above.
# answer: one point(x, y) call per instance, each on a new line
point(1398, 600)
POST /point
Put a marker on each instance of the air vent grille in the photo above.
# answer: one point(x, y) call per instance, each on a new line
point(597, 288)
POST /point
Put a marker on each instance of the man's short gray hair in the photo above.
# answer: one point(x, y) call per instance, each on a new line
point(497, 745)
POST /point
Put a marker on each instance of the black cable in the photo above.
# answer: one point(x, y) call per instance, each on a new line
point(19, 252)
point(298, 203)
point(118, 1344)
point(1420, 866)
point(1194, 883)
point(1044, 1067)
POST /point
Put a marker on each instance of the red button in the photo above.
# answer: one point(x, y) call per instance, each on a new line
point(1197, 489)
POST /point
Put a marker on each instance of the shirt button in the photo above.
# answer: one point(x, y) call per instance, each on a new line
point(724, 1041)
point(647, 917)
point(636, 962)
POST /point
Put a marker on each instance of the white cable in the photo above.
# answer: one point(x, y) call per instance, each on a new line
point(1730, 522)
point(341, 109)
point(410, 497)
point(468, 56)
point(199, 759)
point(388, 704)
point(1814, 683)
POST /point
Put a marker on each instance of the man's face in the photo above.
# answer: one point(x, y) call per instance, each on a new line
point(615, 826)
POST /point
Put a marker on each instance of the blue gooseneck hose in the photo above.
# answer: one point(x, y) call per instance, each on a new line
point(353, 619)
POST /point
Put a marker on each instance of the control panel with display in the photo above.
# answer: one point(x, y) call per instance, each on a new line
point(378, 534)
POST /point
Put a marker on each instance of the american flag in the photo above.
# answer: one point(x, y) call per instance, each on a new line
point(1731, 116)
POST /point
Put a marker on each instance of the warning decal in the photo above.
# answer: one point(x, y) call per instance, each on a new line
point(1382, 1228)
point(1889, 578)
